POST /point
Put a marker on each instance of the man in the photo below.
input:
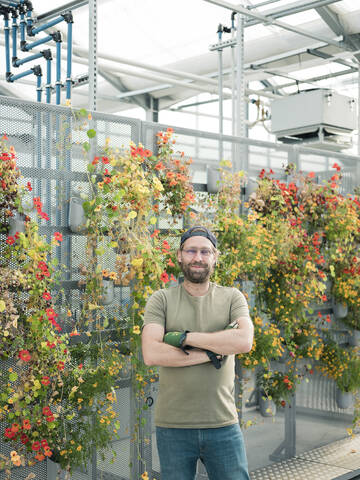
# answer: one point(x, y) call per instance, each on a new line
point(186, 333)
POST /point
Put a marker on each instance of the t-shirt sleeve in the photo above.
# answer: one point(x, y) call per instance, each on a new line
point(239, 306)
point(155, 309)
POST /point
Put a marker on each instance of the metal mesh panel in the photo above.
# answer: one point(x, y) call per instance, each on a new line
point(48, 142)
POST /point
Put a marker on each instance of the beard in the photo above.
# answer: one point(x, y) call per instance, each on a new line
point(196, 276)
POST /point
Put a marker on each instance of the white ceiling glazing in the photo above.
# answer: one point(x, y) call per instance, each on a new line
point(177, 35)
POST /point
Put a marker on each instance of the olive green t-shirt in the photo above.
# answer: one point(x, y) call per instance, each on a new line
point(198, 396)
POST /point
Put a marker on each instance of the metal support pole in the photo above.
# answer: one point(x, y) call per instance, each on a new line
point(92, 54)
point(357, 171)
point(58, 73)
point(358, 112)
point(14, 28)
point(220, 87)
point(240, 162)
point(38, 88)
point(48, 80)
point(68, 61)
point(7, 44)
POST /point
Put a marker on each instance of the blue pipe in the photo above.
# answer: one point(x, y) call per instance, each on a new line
point(30, 46)
point(7, 44)
point(48, 80)
point(38, 88)
point(19, 62)
point(29, 20)
point(58, 73)
point(22, 26)
point(34, 31)
point(69, 54)
point(14, 37)
point(12, 78)
point(11, 4)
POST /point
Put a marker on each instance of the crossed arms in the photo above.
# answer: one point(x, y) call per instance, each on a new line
point(224, 342)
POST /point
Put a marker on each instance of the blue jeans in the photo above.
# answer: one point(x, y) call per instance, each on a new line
point(221, 450)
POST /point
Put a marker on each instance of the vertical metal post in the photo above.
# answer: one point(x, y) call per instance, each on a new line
point(92, 54)
point(7, 43)
point(14, 28)
point(58, 73)
point(69, 60)
point(241, 162)
point(358, 112)
point(48, 81)
point(220, 87)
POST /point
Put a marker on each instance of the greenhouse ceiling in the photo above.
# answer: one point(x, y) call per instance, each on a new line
point(157, 51)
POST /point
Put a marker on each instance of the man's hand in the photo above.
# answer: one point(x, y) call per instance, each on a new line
point(176, 339)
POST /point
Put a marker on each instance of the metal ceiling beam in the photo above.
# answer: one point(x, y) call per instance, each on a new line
point(291, 9)
point(268, 20)
point(313, 79)
point(326, 56)
point(56, 11)
point(332, 20)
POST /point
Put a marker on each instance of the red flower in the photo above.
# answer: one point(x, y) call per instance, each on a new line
point(58, 236)
point(170, 130)
point(50, 418)
point(105, 160)
point(60, 365)
point(338, 168)
point(96, 160)
point(311, 175)
point(43, 215)
point(36, 446)
point(5, 137)
point(44, 443)
point(10, 240)
point(15, 427)
point(164, 277)
point(50, 345)
point(46, 411)
point(45, 380)
point(28, 186)
point(24, 355)
point(9, 433)
point(46, 296)
point(26, 424)
point(24, 439)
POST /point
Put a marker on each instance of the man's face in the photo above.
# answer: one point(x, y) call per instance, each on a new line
point(197, 259)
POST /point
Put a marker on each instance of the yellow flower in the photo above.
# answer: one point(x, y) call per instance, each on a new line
point(136, 329)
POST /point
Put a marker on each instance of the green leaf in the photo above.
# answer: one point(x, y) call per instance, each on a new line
point(13, 376)
point(2, 305)
point(83, 112)
point(55, 262)
point(100, 251)
point(86, 146)
point(91, 133)
point(91, 168)
point(105, 323)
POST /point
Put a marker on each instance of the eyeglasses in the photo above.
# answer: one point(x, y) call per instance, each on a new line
point(204, 252)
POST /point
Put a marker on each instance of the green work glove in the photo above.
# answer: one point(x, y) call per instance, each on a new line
point(176, 339)
point(214, 358)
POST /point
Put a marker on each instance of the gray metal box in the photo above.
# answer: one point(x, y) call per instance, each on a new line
point(308, 111)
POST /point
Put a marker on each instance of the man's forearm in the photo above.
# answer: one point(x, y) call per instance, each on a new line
point(163, 355)
point(225, 342)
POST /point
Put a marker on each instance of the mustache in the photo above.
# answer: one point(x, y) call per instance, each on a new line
point(198, 264)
